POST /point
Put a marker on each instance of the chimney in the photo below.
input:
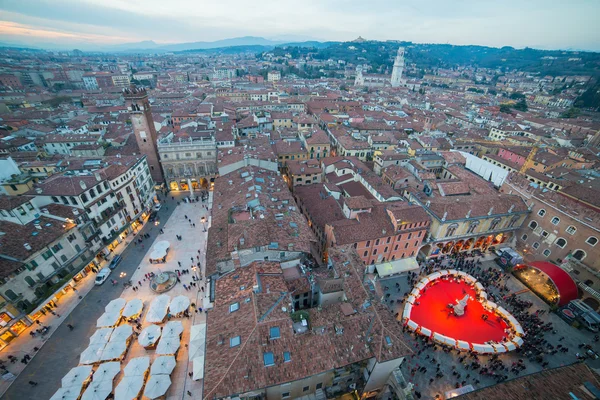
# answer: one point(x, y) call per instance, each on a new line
point(39, 190)
point(242, 241)
point(445, 215)
point(512, 207)
point(468, 214)
point(491, 210)
point(27, 246)
point(98, 177)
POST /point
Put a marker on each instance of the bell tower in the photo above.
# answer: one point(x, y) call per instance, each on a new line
point(396, 80)
point(140, 113)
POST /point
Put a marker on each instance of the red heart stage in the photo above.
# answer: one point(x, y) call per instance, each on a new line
point(433, 309)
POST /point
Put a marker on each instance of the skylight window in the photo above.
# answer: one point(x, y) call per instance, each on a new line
point(274, 332)
point(286, 356)
point(268, 359)
point(234, 307)
point(235, 341)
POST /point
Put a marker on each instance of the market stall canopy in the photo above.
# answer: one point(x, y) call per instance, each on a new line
point(133, 308)
point(158, 309)
point(172, 329)
point(137, 366)
point(163, 365)
point(98, 390)
point(397, 266)
point(114, 350)
point(179, 304)
point(71, 393)
point(129, 388)
point(157, 386)
point(101, 335)
point(107, 371)
point(116, 305)
point(122, 332)
point(198, 366)
point(168, 346)
point(158, 254)
point(76, 376)
point(92, 354)
point(149, 336)
point(162, 245)
point(108, 319)
point(197, 341)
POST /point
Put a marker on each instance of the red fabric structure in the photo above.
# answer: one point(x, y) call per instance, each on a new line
point(565, 285)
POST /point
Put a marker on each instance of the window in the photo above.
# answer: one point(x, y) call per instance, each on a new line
point(560, 242)
point(375, 252)
point(388, 240)
point(388, 341)
point(536, 245)
point(542, 212)
point(571, 230)
point(319, 386)
point(555, 220)
point(234, 307)
point(30, 281)
point(306, 388)
point(545, 234)
point(451, 230)
point(494, 224)
point(11, 295)
point(286, 356)
point(235, 341)
point(547, 253)
point(47, 254)
point(285, 395)
point(524, 237)
point(268, 359)
point(274, 332)
point(366, 254)
point(579, 255)
point(409, 235)
point(472, 227)
point(533, 225)
point(368, 243)
point(377, 242)
point(592, 240)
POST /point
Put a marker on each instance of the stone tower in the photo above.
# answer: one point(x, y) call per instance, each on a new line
point(398, 68)
point(138, 105)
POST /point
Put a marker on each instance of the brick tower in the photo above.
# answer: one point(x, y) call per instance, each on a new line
point(138, 105)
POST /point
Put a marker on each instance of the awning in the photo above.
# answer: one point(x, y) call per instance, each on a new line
point(198, 366)
point(397, 266)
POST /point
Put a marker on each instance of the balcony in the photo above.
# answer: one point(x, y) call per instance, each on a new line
point(108, 214)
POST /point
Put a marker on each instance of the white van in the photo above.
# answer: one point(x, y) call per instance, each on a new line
point(102, 276)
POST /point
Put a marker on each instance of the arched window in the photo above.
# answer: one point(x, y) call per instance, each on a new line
point(571, 230)
point(30, 281)
point(494, 223)
point(473, 227)
point(533, 225)
point(524, 237)
point(560, 242)
point(555, 220)
point(451, 230)
point(513, 221)
point(592, 240)
point(11, 295)
point(547, 252)
point(579, 255)
point(542, 212)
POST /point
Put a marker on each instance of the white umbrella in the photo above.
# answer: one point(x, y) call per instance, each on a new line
point(167, 346)
point(197, 341)
point(162, 245)
point(129, 388)
point(76, 376)
point(114, 350)
point(196, 349)
point(116, 305)
point(133, 307)
point(198, 331)
point(71, 393)
point(122, 332)
point(172, 329)
point(179, 304)
point(98, 390)
point(137, 366)
point(198, 368)
point(108, 319)
point(149, 335)
point(157, 386)
point(163, 365)
point(107, 371)
point(92, 354)
point(158, 309)
point(158, 254)
point(101, 336)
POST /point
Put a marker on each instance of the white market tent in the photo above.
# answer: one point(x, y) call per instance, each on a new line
point(101, 336)
point(162, 245)
point(133, 307)
point(163, 365)
point(114, 350)
point(122, 332)
point(498, 348)
point(98, 390)
point(157, 386)
point(426, 332)
point(407, 310)
point(115, 306)
point(137, 366)
point(149, 336)
point(129, 388)
point(172, 329)
point(76, 376)
point(197, 341)
point(198, 368)
point(108, 319)
point(412, 325)
point(158, 309)
point(179, 304)
point(198, 332)
point(510, 346)
point(480, 348)
point(92, 354)
point(518, 341)
point(168, 346)
point(71, 393)
point(107, 371)
point(463, 345)
point(158, 254)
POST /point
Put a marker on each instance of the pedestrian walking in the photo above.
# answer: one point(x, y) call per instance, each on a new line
point(71, 327)
point(32, 383)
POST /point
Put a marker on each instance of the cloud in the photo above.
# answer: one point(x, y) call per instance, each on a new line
point(14, 29)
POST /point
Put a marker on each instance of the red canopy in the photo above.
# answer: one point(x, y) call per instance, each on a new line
point(565, 285)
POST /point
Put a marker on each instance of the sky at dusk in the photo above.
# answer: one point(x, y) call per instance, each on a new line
point(546, 24)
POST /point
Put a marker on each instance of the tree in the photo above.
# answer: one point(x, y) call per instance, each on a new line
point(521, 105)
point(517, 96)
point(505, 108)
point(572, 112)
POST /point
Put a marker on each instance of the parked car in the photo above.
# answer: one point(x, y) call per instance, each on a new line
point(102, 276)
point(115, 261)
point(157, 206)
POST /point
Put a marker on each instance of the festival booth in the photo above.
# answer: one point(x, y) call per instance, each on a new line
point(425, 332)
point(163, 365)
point(159, 252)
point(463, 345)
point(172, 329)
point(101, 336)
point(129, 388)
point(149, 336)
point(197, 341)
point(157, 386)
point(158, 309)
point(549, 281)
point(133, 309)
point(178, 305)
point(499, 348)
point(198, 367)
point(92, 354)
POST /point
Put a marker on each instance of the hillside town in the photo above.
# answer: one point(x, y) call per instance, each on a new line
point(310, 198)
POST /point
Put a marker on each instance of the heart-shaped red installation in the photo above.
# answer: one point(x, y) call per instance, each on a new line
point(435, 306)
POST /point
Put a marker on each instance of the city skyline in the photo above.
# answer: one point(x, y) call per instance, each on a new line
point(93, 24)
